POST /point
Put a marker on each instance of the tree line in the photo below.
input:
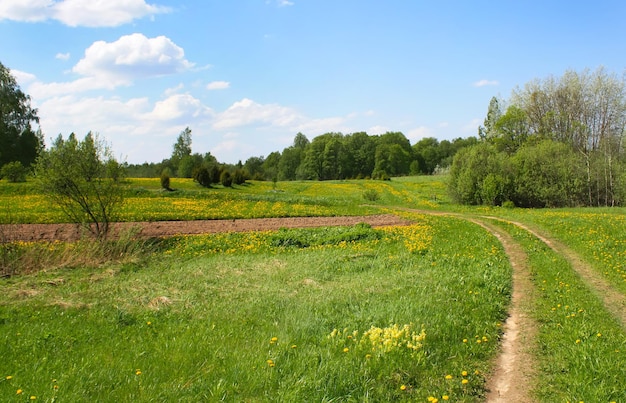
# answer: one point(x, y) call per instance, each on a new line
point(558, 142)
point(330, 156)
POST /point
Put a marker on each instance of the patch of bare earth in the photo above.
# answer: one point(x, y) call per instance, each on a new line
point(72, 232)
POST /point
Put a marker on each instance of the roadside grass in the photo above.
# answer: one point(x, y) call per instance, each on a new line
point(596, 234)
point(581, 347)
point(311, 315)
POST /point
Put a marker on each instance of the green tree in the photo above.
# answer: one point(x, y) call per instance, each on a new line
point(83, 179)
point(181, 149)
point(14, 172)
point(548, 174)
point(18, 140)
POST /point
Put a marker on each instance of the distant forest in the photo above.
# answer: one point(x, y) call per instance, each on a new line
point(330, 156)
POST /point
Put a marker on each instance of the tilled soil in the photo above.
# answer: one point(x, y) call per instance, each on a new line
point(72, 232)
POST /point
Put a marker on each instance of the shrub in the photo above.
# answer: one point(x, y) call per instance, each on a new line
point(226, 179)
point(371, 195)
point(202, 176)
point(165, 180)
point(14, 172)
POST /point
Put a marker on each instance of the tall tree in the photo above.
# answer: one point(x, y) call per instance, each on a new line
point(18, 140)
point(182, 148)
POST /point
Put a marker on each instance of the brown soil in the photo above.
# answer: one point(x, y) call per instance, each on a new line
point(72, 232)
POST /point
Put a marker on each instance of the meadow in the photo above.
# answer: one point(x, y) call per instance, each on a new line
point(410, 313)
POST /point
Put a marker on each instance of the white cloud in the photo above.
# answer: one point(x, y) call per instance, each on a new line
point(218, 85)
point(109, 65)
point(179, 107)
point(88, 13)
point(62, 56)
point(484, 83)
point(133, 56)
point(23, 77)
point(378, 129)
point(419, 133)
point(247, 112)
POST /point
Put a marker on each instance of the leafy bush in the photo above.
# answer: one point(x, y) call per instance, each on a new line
point(226, 179)
point(202, 176)
point(371, 195)
point(165, 180)
point(14, 172)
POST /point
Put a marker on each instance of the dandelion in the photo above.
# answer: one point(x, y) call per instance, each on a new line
point(271, 363)
point(345, 350)
point(137, 372)
point(599, 334)
point(464, 382)
point(273, 340)
point(293, 346)
point(445, 397)
point(19, 392)
point(33, 398)
point(464, 340)
point(464, 373)
point(577, 341)
point(402, 387)
point(448, 377)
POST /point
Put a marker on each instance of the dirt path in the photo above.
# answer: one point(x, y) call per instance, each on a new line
point(515, 367)
point(614, 301)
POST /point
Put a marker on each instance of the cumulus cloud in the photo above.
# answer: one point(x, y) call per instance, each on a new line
point(133, 56)
point(87, 13)
point(247, 112)
point(179, 107)
point(485, 83)
point(218, 85)
point(107, 65)
point(62, 56)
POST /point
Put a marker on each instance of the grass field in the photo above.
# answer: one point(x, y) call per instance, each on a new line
point(330, 314)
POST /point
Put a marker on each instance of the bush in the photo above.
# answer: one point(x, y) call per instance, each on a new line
point(165, 180)
point(226, 179)
point(202, 176)
point(371, 195)
point(239, 177)
point(14, 172)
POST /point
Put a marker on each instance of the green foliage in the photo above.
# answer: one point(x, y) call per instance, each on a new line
point(14, 172)
point(165, 180)
point(18, 140)
point(82, 178)
point(305, 238)
point(239, 177)
point(226, 179)
point(202, 176)
point(371, 195)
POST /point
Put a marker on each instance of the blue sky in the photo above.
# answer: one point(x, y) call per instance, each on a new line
point(247, 75)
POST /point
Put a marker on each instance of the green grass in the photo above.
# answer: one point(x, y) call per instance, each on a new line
point(581, 347)
point(146, 202)
point(197, 318)
point(186, 328)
